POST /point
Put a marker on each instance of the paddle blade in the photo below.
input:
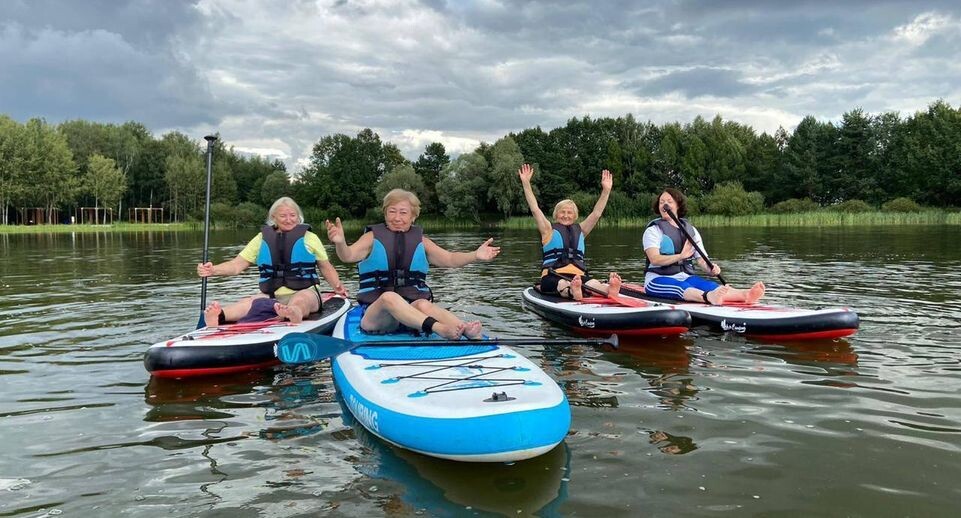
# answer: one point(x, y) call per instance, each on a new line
point(629, 301)
point(297, 348)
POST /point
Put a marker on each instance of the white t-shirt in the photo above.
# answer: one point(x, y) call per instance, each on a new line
point(653, 238)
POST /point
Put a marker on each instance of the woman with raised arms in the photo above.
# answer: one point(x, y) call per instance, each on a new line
point(563, 269)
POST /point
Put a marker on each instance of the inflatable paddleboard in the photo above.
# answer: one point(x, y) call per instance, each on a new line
point(232, 348)
point(763, 321)
point(602, 316)
point(473, 402)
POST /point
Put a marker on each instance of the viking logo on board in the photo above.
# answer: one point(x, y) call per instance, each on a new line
point(733, 326)
point(585, 322)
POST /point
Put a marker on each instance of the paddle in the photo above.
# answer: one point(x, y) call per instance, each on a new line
point(667, 209)
point(203, 282)
point(624, 301)
point(311, 347)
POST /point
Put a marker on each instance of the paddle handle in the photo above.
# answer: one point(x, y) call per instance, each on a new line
point(707, 260)
point(203, 281)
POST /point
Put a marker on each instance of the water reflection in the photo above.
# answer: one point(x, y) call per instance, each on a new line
point(664, 364)
point(836, 357)
point(436, 487)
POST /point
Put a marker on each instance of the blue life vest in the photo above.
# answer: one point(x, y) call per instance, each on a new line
point(397, 262)
point(672, 242)
point(565, 247)
point(284, 260)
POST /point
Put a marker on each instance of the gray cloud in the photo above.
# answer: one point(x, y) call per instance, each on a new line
point(700, 81)
point(276, 77)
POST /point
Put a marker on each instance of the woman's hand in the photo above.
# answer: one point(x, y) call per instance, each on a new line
point(486, 252)
point(526, 172)
point(341, 290)
point(205, 269)
point(335, 231)
point(607, 180)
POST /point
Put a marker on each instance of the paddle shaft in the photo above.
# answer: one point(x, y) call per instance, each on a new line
point(611, 340)
point(630, 301)
point(203, 281)
point(570, 278)
point(298, 348)
point(680, 225)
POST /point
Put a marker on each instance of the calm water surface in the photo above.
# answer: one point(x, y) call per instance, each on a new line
point(705, 424)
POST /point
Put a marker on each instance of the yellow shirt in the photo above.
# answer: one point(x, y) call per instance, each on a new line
point(311, 242)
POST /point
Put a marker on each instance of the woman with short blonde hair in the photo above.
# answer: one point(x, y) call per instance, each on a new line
point(393, 274)
point(563, 269)
point(287, 289)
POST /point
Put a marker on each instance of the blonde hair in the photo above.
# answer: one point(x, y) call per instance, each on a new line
point(285, 200)
point(557, 208)
point(399, 195)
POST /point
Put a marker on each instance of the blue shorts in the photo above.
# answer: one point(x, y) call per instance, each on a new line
point(671, 288)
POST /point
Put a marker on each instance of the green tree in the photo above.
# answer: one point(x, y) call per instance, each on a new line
point(146, 178)
point(637, 142)
point(345, 170)
point(223, 187)
point(928, 155)
point(854, 157)
point(185, 177)
point(460, 184)
point(50, 167)
point(105, 182)
point(275, 185)
point(552, 181)
point(667, 157)
point(730, 199)
point(13, 184)
point(404, 177)
point(763, 162)
point(429, 166)
point(799, 178)
point(504, 185)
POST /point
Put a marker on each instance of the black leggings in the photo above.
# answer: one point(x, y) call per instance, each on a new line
point(548, 285)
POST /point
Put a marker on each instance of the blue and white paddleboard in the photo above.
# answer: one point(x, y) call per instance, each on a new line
point(471, 402)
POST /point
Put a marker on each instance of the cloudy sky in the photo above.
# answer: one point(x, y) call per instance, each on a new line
point(274, 77)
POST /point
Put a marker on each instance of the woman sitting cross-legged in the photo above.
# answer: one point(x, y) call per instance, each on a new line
point(393, 261)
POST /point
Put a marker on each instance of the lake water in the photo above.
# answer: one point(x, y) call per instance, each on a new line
point(705, 424)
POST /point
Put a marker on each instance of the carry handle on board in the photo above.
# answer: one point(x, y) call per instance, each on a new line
point(667, 209)
point(298, 348)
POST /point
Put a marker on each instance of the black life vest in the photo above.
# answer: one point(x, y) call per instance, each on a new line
point(284, 260)
point(672, 242)
point(565, 247)
point(397, 262)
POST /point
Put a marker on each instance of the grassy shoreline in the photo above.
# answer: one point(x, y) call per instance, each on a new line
point(807, 219)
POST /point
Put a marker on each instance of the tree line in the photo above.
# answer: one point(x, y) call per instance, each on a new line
point(725, 167)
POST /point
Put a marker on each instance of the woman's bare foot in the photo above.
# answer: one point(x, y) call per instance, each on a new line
point(576, 287)
point(613, 285)
point(755, 293)
point(473, 330)
point(291, 313)
point(717, 296)
point(449, 332)
point(212, 314)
